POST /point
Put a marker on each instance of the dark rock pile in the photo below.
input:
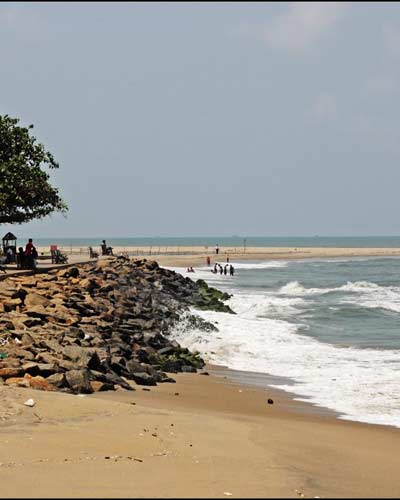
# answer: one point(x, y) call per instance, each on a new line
point(99, 326)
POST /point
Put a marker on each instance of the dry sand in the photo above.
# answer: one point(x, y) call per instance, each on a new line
point(195, 256)
point(214, 439)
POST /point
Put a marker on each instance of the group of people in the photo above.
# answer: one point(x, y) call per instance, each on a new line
point(223, 270)
point(26, 259)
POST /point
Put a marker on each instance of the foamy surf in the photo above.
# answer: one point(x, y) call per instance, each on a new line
point(362, 294)
point(347, 380)
point(271, 333)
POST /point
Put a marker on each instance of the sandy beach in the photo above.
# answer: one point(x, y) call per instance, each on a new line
point(204, 436)
point(195, 256)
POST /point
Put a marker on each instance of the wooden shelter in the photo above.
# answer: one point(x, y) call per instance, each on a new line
point(10, 241)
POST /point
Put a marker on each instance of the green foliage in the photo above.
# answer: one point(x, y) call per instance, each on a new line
point(25, 191)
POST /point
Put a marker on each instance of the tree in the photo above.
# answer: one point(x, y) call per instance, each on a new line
point(25, 191)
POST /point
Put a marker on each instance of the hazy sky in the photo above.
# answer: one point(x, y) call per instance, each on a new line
point(186, 119)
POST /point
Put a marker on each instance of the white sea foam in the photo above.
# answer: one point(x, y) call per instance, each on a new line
point(270, 264)
point(360, 293)
point(294, 288)
point(372, 296)
point(360, 384)
point(264, 305)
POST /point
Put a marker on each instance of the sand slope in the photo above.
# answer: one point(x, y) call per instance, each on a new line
point(214, 438)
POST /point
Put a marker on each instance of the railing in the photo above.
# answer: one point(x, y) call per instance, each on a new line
point(151, 250)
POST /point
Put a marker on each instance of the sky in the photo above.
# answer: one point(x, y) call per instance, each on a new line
point(190, 119)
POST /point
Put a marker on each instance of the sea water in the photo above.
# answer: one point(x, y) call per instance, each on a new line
point(232, 241)
point(331, 327)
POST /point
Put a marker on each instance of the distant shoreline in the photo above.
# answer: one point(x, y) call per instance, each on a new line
point(209, 242)
point(197, 255)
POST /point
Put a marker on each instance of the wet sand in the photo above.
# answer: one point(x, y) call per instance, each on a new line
point(204, 436)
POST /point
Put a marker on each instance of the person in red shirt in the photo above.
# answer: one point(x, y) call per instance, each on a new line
point(31, 253)
point(29, 247)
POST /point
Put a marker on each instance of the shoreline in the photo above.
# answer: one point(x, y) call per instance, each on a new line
point(195, 256)
point(264, 381)
point(203, 437)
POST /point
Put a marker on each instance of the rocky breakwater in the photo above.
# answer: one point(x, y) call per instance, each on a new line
point(99, 326)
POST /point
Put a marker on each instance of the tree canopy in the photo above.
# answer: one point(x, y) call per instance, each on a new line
point(25, 190)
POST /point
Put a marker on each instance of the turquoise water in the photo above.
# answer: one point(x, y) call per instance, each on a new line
point(234, 241)
point(331, 325)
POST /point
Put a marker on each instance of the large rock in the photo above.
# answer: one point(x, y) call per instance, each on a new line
point(57, 380)
point(144, 378)
point(98, 386)
point(40, 383)
point(79, 381)
point(82, 357)
point(6, 373)
point(37, 311)
point(89, 284)
point(33, 299)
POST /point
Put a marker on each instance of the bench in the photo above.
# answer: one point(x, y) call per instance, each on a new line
point(93, 254)
point(56, 256)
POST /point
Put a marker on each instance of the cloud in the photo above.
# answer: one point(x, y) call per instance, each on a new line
point(301, 25)
point(323, 108)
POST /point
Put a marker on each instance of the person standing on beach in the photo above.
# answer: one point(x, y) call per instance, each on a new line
point(29, 247)
point(208, 260)
point(225, 269)
point(31, 253)
point(217, 249)
point(231, 270)
point(220, 269)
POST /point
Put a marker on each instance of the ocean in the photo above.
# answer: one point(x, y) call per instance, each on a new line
point(233, 241)
point(327, 329)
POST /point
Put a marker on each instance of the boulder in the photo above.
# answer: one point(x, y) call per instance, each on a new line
point(33, 299)
point(98, 386)
point(18, 381)
point(82, 357)
point(40, 383)
point(89, 284)
point(11, 304)
point(143, 378)
point(31, 367)
point(37, 311)
point(78, 381)
point(57, 380)
point(6, 373)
